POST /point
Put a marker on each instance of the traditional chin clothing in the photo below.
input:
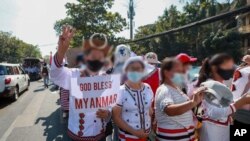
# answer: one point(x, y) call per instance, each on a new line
point(172, 128)
point(216, 122)
point(135, 106)
point(81, 126)
point(64, 99)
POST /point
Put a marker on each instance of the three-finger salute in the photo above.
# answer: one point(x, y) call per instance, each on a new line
point(64, 41)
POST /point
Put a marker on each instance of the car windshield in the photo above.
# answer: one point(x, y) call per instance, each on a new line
point(2, 70)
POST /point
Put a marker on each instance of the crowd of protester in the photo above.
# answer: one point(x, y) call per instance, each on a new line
point(156, 103)
point(31, 68)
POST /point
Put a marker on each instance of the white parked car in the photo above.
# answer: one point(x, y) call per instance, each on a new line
point(13, 80)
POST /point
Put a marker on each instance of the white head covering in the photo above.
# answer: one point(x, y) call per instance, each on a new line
point(122, 53)
point(132, 60)
point(152, 57)
point(217, 93)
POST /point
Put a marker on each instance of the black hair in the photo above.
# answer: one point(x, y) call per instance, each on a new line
point(206, 68)
point(112, 58)
point(167, 65)
point(243, 64)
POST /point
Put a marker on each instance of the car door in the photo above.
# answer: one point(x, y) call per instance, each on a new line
point(24, 77)
point(19, 78)
point(10, 75)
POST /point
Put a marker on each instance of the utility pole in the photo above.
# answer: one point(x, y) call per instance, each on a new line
point(131, 14)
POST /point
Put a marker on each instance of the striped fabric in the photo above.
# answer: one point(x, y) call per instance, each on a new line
point(56, 61)
point(184, 134)
point(89, 138)
point(126, 136)
point(172, 128)
point(64, 99)
point(64, 94)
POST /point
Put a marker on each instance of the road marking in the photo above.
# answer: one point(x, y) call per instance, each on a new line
point(28, 117)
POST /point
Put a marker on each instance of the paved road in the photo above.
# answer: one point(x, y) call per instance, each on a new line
point(34, 117)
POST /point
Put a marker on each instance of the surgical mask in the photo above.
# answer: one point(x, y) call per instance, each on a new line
point(82, 67)
point(135, 77)
point(226, 74)
point(178, 79)
point(94, 65)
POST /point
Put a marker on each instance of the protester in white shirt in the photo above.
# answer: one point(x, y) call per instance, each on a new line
point(241, 85)
point(132, 114)
point(173, 108)
point(83, 126)
point(217, 120)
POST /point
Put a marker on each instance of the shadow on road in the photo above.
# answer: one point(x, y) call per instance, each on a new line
point(36, 80)
point(54, 130)
point(54, 88)
point(38, 90)
point(58, 102)
point(42, 88)
point(5, 102)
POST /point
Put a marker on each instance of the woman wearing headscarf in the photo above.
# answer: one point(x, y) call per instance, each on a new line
point(132, 113)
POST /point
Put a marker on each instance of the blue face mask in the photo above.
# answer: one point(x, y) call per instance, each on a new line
point(135, 77)
point(82, 67)
point(178, 79)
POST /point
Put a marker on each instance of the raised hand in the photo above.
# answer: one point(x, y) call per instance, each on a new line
point(64, 40)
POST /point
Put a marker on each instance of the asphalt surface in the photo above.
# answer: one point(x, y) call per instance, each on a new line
point(35, 116)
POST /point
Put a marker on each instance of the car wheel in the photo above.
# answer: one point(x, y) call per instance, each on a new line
point(16, 94)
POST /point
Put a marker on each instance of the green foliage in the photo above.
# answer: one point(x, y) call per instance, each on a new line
point(199, 41)
point(229, 42)
point(46, 59)
point(13, 50)
point(91, 16)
